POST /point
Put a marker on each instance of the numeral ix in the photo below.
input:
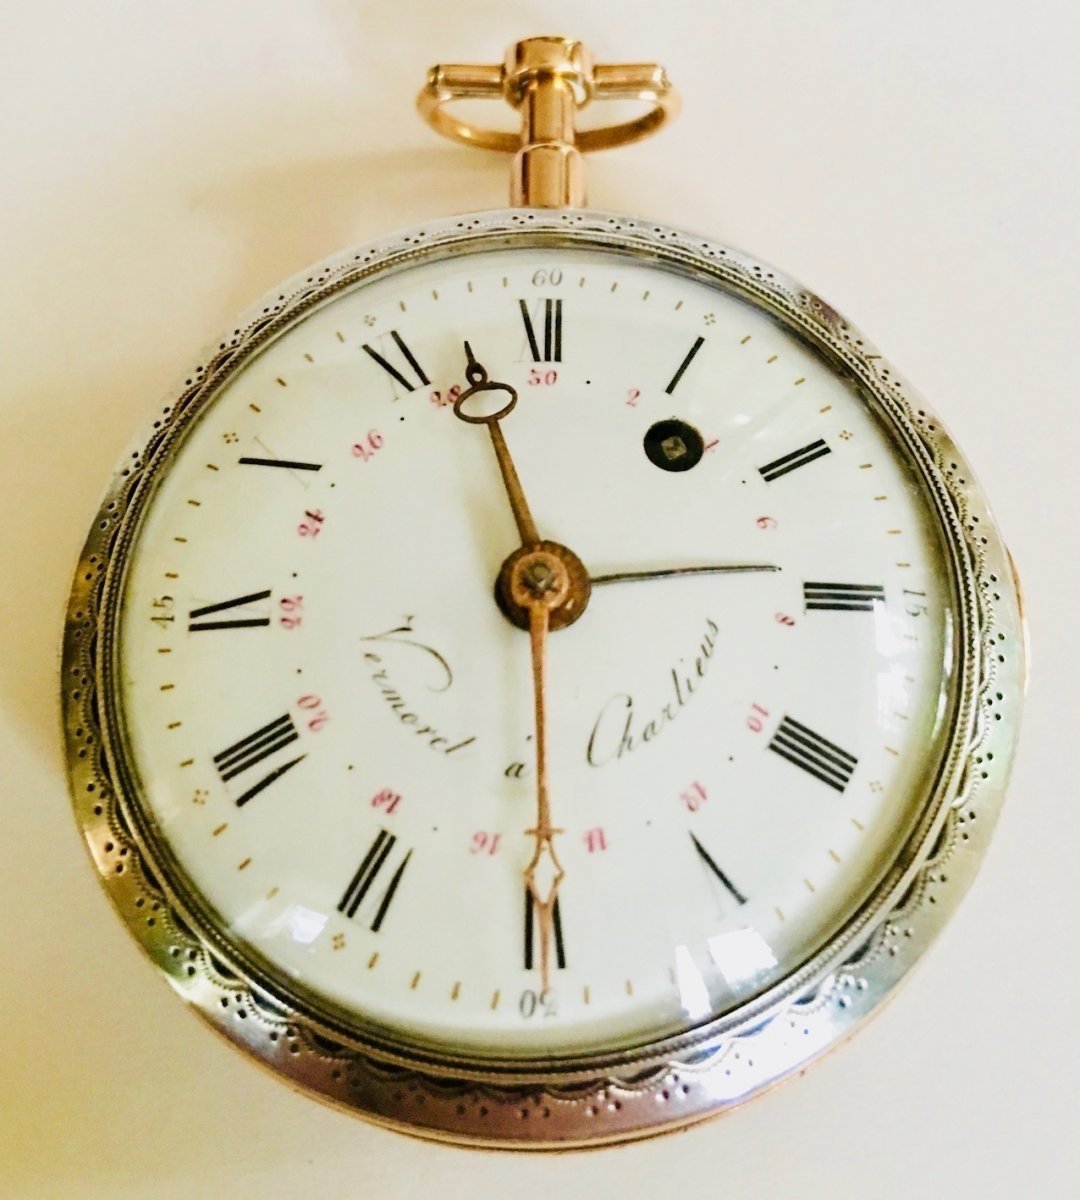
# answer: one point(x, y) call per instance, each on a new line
point(196, 624)
point(843, 597)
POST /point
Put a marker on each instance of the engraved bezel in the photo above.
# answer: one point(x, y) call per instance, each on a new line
point(580, 1099)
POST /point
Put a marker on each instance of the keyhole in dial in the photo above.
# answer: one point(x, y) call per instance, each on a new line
point(673, 445)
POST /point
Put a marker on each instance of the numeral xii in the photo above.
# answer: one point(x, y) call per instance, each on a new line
point(552, 332)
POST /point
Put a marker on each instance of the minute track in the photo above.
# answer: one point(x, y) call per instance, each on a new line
point(399, 569)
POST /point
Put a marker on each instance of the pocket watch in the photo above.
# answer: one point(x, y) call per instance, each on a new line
point(543, 679)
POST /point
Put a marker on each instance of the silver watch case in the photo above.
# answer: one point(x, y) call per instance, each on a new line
point(583, 1099)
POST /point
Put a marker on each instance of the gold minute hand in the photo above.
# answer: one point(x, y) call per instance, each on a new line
point(540, 582)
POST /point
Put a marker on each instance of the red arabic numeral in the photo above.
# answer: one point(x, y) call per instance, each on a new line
point(387, 800)
point(291, 607)
point(366, 450)
point(595, 840)
point(317, 715)
point(445, 399)
point(694, 796)
point(754, 722)
point(484, 843)
point(312, 526)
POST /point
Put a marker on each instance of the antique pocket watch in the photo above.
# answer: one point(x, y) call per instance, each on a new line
point(543, 679)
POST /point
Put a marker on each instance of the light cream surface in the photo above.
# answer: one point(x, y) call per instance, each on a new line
point(165, 164)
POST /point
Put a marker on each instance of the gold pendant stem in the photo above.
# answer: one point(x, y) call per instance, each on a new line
point(553, 77)
point(547, 79)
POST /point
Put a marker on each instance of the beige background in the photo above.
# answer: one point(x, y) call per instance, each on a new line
point(165, 162)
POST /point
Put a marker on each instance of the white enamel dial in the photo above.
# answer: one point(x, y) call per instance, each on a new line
point(331, 719)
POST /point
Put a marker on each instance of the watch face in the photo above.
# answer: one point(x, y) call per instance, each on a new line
point(322, 716)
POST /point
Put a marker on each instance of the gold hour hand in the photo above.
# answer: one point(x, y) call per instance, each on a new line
point(477, 377)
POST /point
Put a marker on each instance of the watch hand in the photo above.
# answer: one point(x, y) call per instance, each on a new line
point(672, 572)
point(540, 583)
point(477, 377)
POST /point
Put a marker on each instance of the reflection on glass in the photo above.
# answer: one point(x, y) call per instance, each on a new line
point(741, 955)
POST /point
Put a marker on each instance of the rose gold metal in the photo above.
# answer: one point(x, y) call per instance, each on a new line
point(565, 613)
point(541, 583)
point(477, 377)
point(548, 79)
point(519, 505)
point(542, 586)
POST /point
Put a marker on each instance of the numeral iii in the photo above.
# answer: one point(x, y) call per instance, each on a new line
point(844, 597)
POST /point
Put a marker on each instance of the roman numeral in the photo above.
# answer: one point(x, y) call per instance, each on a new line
point(531, 951)
point(552, 331)
point(794, 460)
point(710, 864)
point(816, 755)
point(416, 370)
point(197, 626)
point(254, 749)
point(367, 873)
point(284, 463)
point(844, 597)
point(684, 364)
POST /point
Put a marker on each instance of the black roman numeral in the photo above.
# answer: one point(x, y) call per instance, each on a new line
point(794, 460)
point(844, 597)
point(254, 749)
point(361, 883)
point(710, 863)
point(531, 954)
point(552, 331)
point(196, 626)
point(684, 364)
point(399, 376)
point(815, 754)
point(284, 463)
